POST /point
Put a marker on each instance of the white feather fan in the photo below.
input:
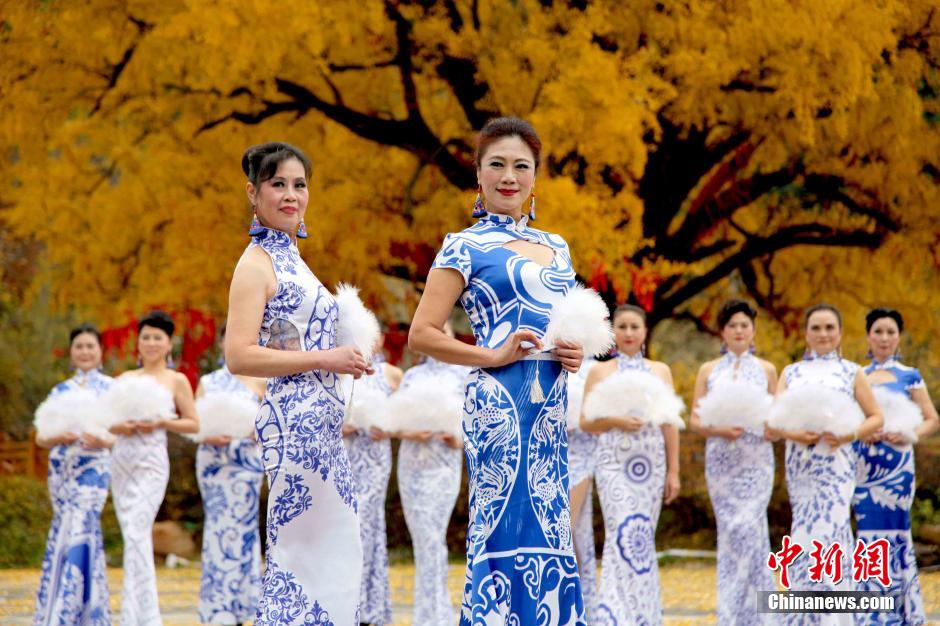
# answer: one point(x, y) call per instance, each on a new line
point(575, 400)
point(581, 317)
point(367, 408)
point(815, 408)
point(77, 411)
point(434, 405)
point(902, 415)
point(139, 398)
point(735, 404)
point(637, 394)
point(357, 325)
point(225, 414)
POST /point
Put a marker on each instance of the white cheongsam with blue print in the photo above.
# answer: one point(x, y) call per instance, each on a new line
point(882, 503)
point(582, 450)
point(73, 586)
point(429, 482)
point(229, 480)
point(314, 556)
point(631, 475)
point(371, 463)
point(740, 477)
point(521, 567)
point(821, 484)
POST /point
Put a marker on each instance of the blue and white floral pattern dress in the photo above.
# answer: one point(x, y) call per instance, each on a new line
point(631, 475)
point(429, 482)
point(821, 484)
point(314, 557)
point(582, 449)
point(73, 586)
point(140, 471)
point(883, 498)
point(229, 480)
point(740, 477)
point(371, 463)
point(521, 567)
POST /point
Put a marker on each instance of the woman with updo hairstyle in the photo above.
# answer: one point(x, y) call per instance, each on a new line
point(885, 468)
point(821, 478)
point(508, 275)
point(141, 465)
point(282, 326)
point(739, 465)
point(74, 580)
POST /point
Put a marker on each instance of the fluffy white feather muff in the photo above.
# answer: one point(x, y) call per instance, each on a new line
point(139, 398)
point(637, 394)
point(815, 408)
point(367, 408)
point(581, 317)
point(575, 400)
point(225, 415)
point(433, 405)
point(78, 411)
point(357, 326)
point(735, 404)
point(902, 415)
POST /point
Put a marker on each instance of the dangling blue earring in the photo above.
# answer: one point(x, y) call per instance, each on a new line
point(724, 349)
point(140, 363)
point(169, 361)
point(479, 209)
point(869, 355)
point(302, 231)
point(752, 349)
point(532, 207)
point(255, 228)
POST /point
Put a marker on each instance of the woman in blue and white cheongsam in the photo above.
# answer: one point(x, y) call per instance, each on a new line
point(73, 586)
point(885, 474)
point(370, 456)
point(582, 448)
point(739, 470)
point(636, 471)
point(140, 468)
point(429, 464)
point(821, 479)
point(507, 275)
point(229, 473)
point(282, 326)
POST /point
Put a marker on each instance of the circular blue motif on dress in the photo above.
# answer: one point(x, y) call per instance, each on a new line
point(639, 468)
point(635, 541)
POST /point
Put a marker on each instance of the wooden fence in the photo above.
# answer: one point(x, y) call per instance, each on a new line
point(23, 458)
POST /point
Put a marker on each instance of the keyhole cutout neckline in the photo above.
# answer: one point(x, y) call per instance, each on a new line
point(530, 250)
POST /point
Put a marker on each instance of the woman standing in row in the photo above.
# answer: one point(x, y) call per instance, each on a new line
point(73, 586)
point(739, 469)
point(885, 490)
point(282, 326)
point(141, 469)
point(229, 474)
point(508, 276)
point(637, 470)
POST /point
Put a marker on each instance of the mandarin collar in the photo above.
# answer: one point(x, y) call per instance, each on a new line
point(812, 355)
point(507, 222)
point(274, 236)
point(884, 365)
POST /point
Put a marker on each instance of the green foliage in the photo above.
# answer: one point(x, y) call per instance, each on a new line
point(25, 515)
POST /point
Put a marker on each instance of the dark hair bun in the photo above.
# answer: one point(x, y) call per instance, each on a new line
point(732, 307)
point(881, 312)
point(157, 319)
point(260, 162)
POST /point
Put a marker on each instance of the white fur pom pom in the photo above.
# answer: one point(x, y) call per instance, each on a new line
point(367, 409)
point(357, 325)
point(75, 411)
point(225, 415)
point(139, 398)
point(637, 394)
point(902, 416)
point(433, 405)
point(575, 400)
point(735, 404)
point(816, 408)
point(581, 317)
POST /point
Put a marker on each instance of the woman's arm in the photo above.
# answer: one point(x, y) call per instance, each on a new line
point(253, 284)
point(874, 419)
point(671, 439)
point(701, 386)
point(188, 421)
point(393, 376)
point(921, 397)
point(51, 442)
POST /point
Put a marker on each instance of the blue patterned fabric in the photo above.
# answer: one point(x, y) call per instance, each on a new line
point(521, 567)
point(314, 555)
point(821, 484)
point(582, 450)
point(882, 504)
point(740, 477)
point(73, 585)
point(229, 480)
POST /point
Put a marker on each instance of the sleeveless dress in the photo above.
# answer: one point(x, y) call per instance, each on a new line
point(740, 477)
point(73, 585)
point(139, 476)
point(521, 567)
point(582, 448)
point(631, 476)
point(371, 463)
point(821, 484)
point(314, 556)
point(882, 503)
point(429, 482)
point(229, 480)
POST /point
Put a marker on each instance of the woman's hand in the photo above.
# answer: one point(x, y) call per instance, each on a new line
point(511, 350)
point(569, 355)
point(344, 360)
point(731, 433)
point(148, 427)
point(875, 437)
point(220, 440)
point(671, 490)
point(896, 438)
point(377, 434)
point(806, 437)
point(834, 441)
point(65, 439)
point(125, 429)
point(349, 429)
point(91, 442)
point(451, 440)
point(629, 424)
point(772, 434)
